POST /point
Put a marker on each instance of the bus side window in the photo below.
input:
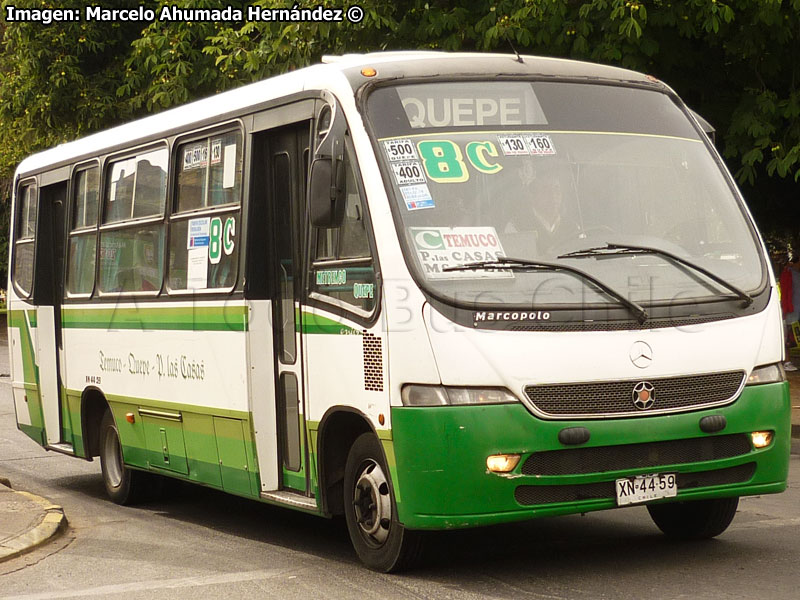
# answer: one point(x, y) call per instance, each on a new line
point(131, 253)
point(83, 232)
point(204, 248)
point(343, 268)
point(136, 187)
point(25, 232)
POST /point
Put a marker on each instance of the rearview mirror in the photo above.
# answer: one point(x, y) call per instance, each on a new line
point(326, 182)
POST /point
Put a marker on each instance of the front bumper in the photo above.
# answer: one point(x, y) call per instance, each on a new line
point(441, 480)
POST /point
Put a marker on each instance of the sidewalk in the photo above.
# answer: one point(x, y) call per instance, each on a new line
point(26, 521)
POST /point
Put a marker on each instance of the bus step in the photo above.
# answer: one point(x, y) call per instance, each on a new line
point(63, 447)
point(292, 499)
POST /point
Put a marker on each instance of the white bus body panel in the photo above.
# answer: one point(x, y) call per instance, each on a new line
point(17, 374)
point(337, 370)
point(515, 359)
point(262, 392)
point(48, 372)
point(154, 364)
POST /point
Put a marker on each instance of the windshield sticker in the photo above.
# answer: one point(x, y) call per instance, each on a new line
point(439, 247)
point(443, 162)
point(540, 145)
point(513, 145)
point(417, 196)
point(479, 154)
point(400, 149)
point(408, 171)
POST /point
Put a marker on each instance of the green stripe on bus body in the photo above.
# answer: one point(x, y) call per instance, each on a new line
point(30, 373)
point(173, 406)
point(313, 323)
point(74, 399)
point(206, 473)
point(16, 318)
point(196, 444)
point(197, 318)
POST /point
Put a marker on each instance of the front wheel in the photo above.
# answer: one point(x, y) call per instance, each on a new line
point(381, 542)
point(123, 485)
point(695, 520)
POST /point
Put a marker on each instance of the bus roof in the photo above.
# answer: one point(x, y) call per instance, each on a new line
point(347, 70)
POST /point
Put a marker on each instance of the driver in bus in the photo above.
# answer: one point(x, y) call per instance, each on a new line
point(543, 207)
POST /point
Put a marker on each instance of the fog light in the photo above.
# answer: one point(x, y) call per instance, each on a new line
point(502, 463)
point(762, 439)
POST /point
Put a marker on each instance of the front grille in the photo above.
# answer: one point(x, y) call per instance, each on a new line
point(579, 461)
point(599, 399)
point(528, 495)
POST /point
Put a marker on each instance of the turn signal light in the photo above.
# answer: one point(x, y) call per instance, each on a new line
point(762, 439)
point(502, 463)
point(368, 72)
point(130, 418)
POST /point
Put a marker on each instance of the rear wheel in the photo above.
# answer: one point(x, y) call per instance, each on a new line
point(381, 542)
point(695, 520)
point(123, 485)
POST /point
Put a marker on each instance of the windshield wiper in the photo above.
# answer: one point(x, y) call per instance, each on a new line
point(625, 249)
point(524, 265)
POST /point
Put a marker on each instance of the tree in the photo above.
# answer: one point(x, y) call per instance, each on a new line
point(732, 60)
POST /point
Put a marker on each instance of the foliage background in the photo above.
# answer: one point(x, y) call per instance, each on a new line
point(734, 61)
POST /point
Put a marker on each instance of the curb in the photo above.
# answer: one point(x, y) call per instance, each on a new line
point(52, 522)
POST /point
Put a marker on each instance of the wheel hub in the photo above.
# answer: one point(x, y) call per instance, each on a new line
point(372, 503)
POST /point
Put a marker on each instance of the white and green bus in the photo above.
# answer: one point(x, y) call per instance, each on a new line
point(423, 290)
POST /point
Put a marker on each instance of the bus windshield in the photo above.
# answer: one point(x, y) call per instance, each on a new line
point(537, 170)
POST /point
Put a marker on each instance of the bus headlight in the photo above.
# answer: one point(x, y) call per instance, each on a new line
point(767, 374)
point(437, 395)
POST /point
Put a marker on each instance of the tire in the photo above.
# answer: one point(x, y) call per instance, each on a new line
point(381, 542)
point(695, 520)
point(123, 485)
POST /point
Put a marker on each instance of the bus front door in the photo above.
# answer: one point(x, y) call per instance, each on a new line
point(286, 156)
point(47, 294)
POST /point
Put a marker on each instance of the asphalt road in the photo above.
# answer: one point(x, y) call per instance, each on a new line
point(200, 543)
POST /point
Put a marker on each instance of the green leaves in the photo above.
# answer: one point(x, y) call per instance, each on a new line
point(734, 61)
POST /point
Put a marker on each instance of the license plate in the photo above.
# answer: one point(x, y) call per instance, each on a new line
point(633, 490)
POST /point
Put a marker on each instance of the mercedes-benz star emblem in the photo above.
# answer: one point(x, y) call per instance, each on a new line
point(641, 354)
point(644, 395)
